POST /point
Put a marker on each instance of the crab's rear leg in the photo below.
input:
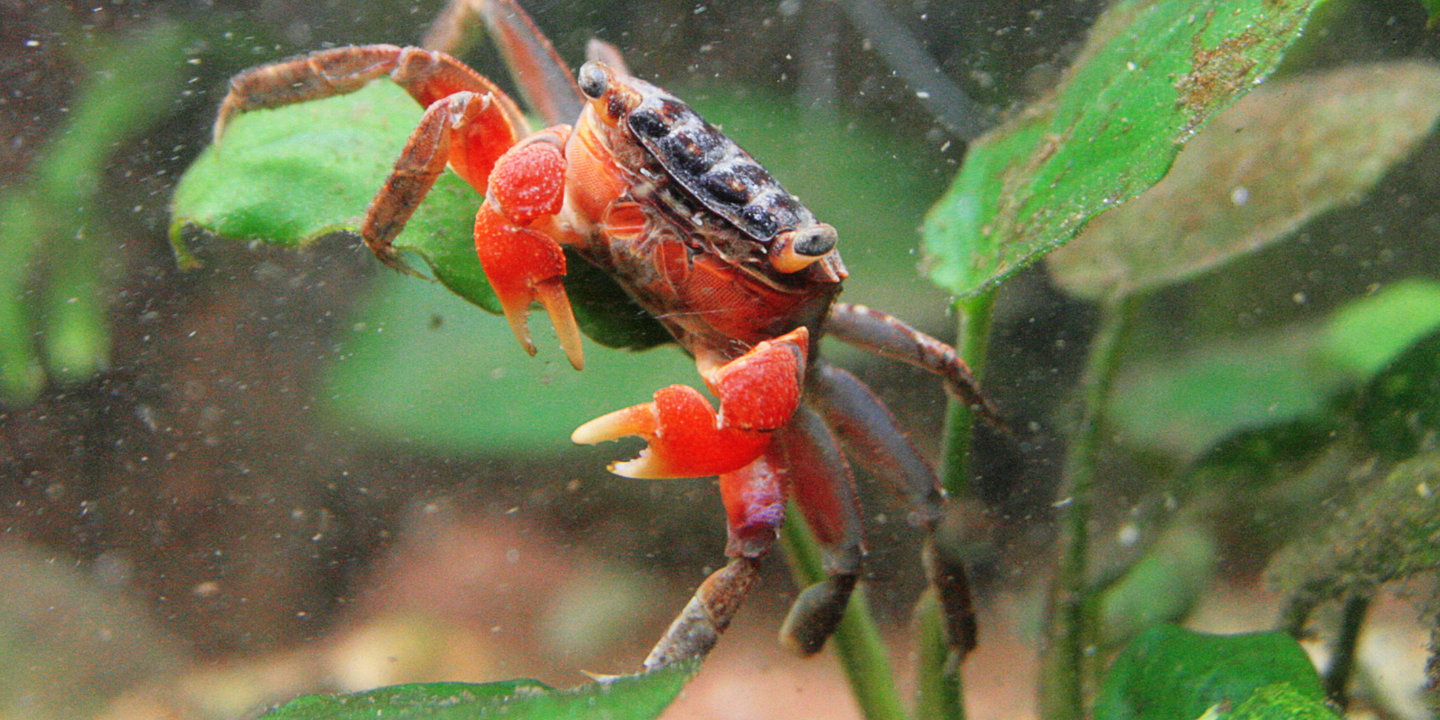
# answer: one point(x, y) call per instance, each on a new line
point(872, 437)
point(823, 487)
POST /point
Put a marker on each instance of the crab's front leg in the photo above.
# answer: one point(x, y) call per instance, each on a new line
point(759, 392)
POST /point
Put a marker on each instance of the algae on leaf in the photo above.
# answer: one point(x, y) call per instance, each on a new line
point(1151, 74)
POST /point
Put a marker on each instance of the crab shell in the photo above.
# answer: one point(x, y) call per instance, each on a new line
point(715, 248)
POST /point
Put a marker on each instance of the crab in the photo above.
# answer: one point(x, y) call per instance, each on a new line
point(701, 235)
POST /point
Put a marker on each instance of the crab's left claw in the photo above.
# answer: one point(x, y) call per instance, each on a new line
point(522, 263)
point(759, 392)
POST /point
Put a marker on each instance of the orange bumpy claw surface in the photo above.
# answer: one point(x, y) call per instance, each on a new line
point(759, 392)
point(524, 264)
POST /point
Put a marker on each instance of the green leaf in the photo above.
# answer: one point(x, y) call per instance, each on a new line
point(1184, 404)
point(420, 366)
point(1163, 586)
point(1283, 154)
point(1281, 702)
point(1151, 74)
point(1400, 408)
point(128, 82)
point(1168, 673)
point(1367, 334)
point(291, 175)
point(630, 697)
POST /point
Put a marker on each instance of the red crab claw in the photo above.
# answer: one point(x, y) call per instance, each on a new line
point(523, 263)
point(759, 392)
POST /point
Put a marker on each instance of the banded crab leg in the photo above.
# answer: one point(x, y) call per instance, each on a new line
point(871, 436)
point(888, 336)
point(468, 122)
point(804, 463)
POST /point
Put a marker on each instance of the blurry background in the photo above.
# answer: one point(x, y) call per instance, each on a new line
point(288, 472)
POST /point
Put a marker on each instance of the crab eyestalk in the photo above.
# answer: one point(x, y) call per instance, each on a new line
point(611, 100)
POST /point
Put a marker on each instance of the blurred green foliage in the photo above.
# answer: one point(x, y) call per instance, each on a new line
point(51, 239)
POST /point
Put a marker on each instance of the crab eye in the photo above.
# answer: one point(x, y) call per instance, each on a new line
point(815, 241)
point(795, 250)
point(592, 80)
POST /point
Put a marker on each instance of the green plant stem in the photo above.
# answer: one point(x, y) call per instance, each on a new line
point(1063, 665)
point(938, 686)
point(857, 640)
point(1342, 653)
point(971, 341)
point(938, 690)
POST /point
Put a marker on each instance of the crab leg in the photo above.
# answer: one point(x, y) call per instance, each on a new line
point(427, 76)
point(888, 336)
point(823, 488)
point(870, 434)
point(759, 392)
point(545, 80)
point(754, 498)
point(468, 122)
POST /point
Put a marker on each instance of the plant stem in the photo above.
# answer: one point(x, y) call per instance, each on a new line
point(1062, 681)
point(938, 693)
point(1342, 653)
point(857, 641)
point(971, 341)
point(938, 687)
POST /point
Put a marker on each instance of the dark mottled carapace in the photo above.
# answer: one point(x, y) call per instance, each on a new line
point(713, 169)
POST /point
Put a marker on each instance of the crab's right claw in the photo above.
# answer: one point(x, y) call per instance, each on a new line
point(759, 392)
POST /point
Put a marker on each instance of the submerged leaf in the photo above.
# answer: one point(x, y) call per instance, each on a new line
point(423, 368)
point(1286, 152)
point(1184, 404)
point(1151, 74)
point(1168, 673)
point(630, 697)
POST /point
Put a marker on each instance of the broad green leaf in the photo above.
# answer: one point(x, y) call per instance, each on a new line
point(1283, 154)
point(1386, 533)
point(630, 697)
point(1151, 74)
point(291, 175)
point(420, 366)
point(1185, 404)
point(1168, 673)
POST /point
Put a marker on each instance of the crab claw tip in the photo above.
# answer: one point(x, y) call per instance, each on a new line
point(638, 420)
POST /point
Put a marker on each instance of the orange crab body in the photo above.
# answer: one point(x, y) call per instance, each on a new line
point(705, 240)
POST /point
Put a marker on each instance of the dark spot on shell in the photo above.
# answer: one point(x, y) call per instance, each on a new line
point(726, 186)
point(763, 221)
point(648, 123)
point(687, 152)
